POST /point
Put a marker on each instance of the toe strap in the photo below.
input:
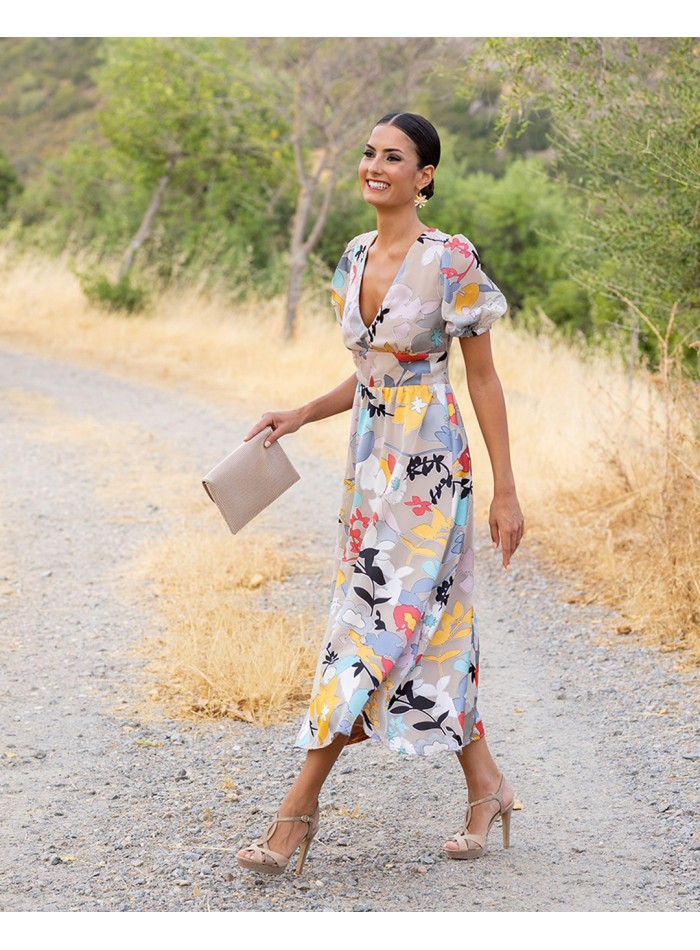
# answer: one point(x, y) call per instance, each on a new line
point(469, 842)
point(261, 854)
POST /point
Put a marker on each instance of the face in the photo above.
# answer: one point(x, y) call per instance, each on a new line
point(389, 173)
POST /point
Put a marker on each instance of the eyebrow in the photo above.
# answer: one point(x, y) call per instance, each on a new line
point(385, 149)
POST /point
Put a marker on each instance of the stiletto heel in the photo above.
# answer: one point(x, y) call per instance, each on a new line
point(474, 846)
point(266, 860)
point(305, 845)
point(505, 825)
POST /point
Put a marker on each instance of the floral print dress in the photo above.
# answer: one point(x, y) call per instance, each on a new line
point(401, 654)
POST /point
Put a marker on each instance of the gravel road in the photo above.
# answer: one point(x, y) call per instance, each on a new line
point(109, 806)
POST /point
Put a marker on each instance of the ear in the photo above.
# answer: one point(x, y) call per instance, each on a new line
point(425, 176)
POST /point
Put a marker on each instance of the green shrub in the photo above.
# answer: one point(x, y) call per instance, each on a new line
point(117, 296)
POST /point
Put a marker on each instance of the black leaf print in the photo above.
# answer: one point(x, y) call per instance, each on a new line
point(442, 595)
point(424, 726)
point(472, 672)
point(376, 575)
point(397, 708)
point(365, 595)
point(442, 717)
point(374, 406)
point(423, 702)
point(422, 465)
point(330, 656)
point(372, 329)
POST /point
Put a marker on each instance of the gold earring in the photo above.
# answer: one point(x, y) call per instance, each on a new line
point(420, 200)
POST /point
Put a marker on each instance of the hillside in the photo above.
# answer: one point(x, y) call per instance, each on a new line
point(47, 96)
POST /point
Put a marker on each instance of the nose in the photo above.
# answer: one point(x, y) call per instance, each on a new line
point(374, 165)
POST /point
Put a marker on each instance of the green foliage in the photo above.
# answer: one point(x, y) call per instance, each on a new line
point(625, 119)
point(10, 186)
point(116, 296)
point(521, 225)
point(47, 96)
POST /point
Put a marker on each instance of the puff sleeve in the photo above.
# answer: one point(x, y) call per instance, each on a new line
point(339, 281)
point(471, 302)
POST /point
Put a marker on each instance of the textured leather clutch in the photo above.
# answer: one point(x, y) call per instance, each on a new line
point(249, 479)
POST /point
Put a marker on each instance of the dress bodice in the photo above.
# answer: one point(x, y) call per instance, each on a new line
point(439, 291)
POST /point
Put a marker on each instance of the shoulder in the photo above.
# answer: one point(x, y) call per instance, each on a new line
point(457, 245)
point(359, 243)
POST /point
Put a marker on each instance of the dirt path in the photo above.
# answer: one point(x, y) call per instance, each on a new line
point(109, 806)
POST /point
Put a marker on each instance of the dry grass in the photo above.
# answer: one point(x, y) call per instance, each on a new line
point(608, 467)
point(228, 652)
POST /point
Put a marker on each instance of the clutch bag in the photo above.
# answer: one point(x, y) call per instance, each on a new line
point(249, 479)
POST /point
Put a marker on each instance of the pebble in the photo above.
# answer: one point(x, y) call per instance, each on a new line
point(132, 815)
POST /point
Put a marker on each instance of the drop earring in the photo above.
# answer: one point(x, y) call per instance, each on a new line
point(420, 200)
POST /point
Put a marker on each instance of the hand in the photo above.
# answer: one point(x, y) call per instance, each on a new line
point(506, 523)
point(282, 421)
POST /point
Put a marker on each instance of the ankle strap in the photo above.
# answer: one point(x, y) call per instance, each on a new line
point(493, 797)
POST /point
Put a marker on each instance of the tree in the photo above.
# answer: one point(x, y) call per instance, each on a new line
point(10, 185)
point(180, 117)
point(625, 119)
point(331, 90)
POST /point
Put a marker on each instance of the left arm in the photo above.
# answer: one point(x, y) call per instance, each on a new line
point(505, 517)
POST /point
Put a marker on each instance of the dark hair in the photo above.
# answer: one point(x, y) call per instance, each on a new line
point(423, 135)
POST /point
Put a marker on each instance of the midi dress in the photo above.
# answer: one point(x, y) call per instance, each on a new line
point(399, 662)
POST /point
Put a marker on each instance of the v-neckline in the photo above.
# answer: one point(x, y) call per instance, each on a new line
point(361, 273)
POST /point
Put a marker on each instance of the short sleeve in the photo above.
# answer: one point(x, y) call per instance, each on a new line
point(471, 302)
point(339, 281)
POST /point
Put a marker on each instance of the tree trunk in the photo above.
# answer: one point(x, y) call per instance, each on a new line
point(300, 248)
point(144, 231)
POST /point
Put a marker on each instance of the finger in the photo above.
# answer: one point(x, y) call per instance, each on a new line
point(276, 434)
point(258, 427)
point(493, 525)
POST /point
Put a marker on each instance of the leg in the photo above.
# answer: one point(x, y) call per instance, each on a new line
point(302, 797)
point(482, 776)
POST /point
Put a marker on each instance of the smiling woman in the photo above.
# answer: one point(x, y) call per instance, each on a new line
point(400, 659)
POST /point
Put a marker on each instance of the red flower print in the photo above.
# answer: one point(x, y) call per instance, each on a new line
point(406, 618)
point(460, 246)
point(419, 506)
point(465, 461)
point(452, 274)
point(411, 357)
point(451, 407)
point(356, 520)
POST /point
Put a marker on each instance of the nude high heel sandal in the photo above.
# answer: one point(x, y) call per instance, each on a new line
point(266, 860)
point(474, 846)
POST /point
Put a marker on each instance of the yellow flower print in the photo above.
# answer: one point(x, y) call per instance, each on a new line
point(466, 297)
point(453, 626)
point(323, 705)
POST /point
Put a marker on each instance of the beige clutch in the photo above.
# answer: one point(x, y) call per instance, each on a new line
point(249, 479)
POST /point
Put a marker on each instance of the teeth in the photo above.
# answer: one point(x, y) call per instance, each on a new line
point(377, 185)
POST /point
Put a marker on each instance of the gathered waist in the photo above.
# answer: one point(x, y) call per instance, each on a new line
point(389, 382)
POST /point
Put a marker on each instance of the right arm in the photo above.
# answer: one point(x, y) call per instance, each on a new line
point(284, 421)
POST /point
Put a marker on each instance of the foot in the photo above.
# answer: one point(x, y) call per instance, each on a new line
point(482, 815)
point(288, 834)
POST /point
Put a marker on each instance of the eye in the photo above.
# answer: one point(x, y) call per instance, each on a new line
point(368, 153)
point(393, 158)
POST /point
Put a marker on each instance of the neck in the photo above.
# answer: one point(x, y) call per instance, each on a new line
point(395, 226)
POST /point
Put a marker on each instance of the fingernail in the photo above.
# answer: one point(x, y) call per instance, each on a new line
point(267, 445)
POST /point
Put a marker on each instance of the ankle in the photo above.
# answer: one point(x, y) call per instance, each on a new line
point(295, 803)
point(483, 783)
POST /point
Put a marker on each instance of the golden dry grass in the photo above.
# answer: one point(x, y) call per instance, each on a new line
point(608, 467)
point(226, 652)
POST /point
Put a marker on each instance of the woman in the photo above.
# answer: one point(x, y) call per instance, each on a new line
point(400, 659)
